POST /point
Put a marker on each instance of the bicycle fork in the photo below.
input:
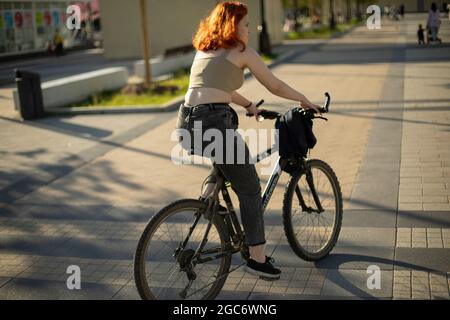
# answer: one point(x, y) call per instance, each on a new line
point(312, 188)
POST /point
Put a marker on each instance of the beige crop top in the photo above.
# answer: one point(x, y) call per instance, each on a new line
point(216, 72)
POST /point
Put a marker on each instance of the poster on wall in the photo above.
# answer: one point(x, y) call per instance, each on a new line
point(63, 16)
point(18, 19)
point(28, 20)
point(55, 15)
point(39, 19)
point(47, 18)
point(9, 23)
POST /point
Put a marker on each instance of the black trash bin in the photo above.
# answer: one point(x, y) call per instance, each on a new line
point(30, 94)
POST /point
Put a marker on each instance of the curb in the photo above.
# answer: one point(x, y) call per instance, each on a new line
point(168, 107)
point(174, 104)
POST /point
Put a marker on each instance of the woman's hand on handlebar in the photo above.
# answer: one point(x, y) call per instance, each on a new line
point(306, 104)
point(254, 111)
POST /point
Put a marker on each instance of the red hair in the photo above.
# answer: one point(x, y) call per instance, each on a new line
point(220, 28)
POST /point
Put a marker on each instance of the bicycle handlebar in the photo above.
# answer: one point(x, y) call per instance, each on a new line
point(266, 114)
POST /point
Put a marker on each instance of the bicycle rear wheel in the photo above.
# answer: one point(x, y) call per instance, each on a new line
point(162, 273)
point(313, 234)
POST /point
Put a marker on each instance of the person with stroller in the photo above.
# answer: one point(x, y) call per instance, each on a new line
point(433, 24)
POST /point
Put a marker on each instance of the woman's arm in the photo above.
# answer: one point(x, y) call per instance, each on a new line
point(245, 103)
point(277, 87)
point(239, 99)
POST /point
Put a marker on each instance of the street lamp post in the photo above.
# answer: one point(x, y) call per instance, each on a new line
point(264, 40)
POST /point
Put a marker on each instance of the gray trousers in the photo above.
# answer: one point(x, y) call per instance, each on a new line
point(243, 177)
point(434, 33)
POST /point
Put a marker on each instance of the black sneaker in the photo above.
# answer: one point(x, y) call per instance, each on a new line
point(263, 270)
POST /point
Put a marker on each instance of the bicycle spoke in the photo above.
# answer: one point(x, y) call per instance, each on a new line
point(165, 278)
point(226, 274)
point(171, 275)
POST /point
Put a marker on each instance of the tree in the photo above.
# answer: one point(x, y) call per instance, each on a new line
point(332, 18)
point(349, 11)
point(311, 9)
point(146, 51)
point(359, 10)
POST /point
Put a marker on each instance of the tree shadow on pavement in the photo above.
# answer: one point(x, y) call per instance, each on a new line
point(335, 261)
point(57, 124)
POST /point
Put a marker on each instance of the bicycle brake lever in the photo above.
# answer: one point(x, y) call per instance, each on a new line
point(260, 103)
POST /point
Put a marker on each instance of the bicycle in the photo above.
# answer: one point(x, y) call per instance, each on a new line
point(193, 260)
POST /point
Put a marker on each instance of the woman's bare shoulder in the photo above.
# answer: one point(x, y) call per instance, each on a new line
point(242, 56)
point(239, 49)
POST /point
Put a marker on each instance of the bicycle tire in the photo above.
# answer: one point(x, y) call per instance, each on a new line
point(153, 224)
point(287, 216)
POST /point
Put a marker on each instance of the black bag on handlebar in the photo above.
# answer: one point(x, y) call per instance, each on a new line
point(295, 134)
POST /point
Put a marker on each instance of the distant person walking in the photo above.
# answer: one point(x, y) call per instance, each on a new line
point(434, 22)
point(420, 35)
point(402, 10)
point(58, 42)
point(394, 12)
point(386, 11)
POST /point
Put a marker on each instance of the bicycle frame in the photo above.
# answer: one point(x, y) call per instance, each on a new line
point(276, 174)
point(231, 221)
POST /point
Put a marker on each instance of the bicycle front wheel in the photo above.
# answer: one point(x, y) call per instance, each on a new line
point(312, 233)
point(166, 270)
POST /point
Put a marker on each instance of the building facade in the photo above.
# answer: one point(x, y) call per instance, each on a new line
point(29, 25)
point(414, 5)
point(172, 24)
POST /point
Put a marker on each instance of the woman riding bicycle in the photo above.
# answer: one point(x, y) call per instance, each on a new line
point(217, 72)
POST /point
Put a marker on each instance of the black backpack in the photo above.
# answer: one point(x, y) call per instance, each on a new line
point(295, 134)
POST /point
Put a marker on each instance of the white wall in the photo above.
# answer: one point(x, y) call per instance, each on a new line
point(64, 91)
point(172, 23)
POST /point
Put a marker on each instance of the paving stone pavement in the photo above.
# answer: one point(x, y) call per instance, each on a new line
point(79, 190)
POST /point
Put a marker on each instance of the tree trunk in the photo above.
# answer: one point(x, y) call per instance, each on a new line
point(349, 11)
point(146, 51)
point(332, 19)
point(296, 26)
